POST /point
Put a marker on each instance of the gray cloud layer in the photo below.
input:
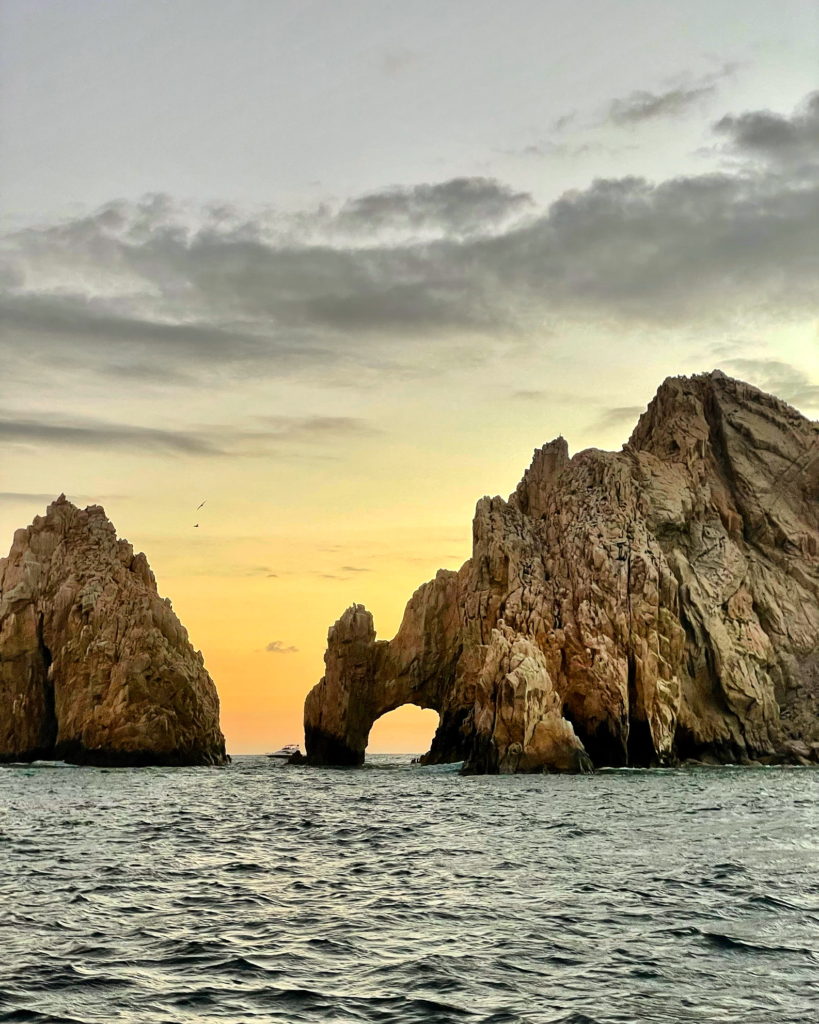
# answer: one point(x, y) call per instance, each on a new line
point(642, 105)
point(774, 137)
point(647, 106)
point(23, 497)
point(103, 435)
point(779, 378)
point(143, 294)
point(618, 416)
point(264, 436)
point(461, 206)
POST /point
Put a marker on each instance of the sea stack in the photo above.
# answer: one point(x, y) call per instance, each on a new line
point(95, 667)
point(638, 608)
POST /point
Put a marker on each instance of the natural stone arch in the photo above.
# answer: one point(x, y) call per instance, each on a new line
point(366, 678)
point(434, 663)
point(633, 607)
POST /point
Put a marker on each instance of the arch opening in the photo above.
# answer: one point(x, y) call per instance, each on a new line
point(407, 729)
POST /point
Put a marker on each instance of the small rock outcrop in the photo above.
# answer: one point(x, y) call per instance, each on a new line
point(643, 607)
point(95, 667)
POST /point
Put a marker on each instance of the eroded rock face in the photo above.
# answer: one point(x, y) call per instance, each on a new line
point(95, 667)
point(631, 608)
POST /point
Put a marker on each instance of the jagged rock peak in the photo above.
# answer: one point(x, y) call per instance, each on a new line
point(688, 410)
point(547, 462)
point(637, 607)
point(95, 667)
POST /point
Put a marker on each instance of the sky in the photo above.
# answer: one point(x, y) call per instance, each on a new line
point(337, 269)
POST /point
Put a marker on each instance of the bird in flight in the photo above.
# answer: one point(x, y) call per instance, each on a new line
point(196, 526)
point(199, 506)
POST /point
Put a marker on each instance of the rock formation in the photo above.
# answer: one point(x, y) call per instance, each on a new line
point(641, 607)
point(95, 667)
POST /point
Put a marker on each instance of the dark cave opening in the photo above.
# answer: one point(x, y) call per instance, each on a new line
point(640, 744)
point(452, 740)
point(48, 731)
point(606, 749)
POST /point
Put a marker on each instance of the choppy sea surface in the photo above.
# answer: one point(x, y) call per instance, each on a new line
point(398, 893)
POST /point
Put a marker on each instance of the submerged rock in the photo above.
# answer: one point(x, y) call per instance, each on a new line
point(95, 667)
point(634, 608)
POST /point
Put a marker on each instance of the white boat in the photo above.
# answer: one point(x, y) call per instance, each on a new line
point(285, 752)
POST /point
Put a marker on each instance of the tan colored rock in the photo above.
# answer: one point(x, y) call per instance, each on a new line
point(95, 667)
point(640, 607)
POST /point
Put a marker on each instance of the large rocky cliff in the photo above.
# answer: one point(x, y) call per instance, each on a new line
point(95, 667)
point(641, 607)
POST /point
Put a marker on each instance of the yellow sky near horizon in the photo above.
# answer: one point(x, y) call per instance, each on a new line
point(284, 546)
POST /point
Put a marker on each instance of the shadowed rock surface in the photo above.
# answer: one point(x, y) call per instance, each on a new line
point(95, 667)
point(635, 608)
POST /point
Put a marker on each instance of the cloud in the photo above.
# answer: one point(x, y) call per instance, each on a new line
point(705, 248)
point(406, 281)
point(529, 395)
point(21, 497)
point(778, 378)
point(543, 396)
point(344, 573)
point(265, 435)
point(617, 416)
point(46, 498)
point(641, 106)
point(570, 151)
point(637, 107)
point(311, 428)
point(98, 434)
point(563, 122)
point(774, 137)
point(461, 206)
point(138, 346)
point(278, 647)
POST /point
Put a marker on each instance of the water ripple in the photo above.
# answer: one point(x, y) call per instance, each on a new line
point(400, 894)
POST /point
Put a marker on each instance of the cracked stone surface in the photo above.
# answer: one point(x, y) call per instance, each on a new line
point(639, 607)
point(95, 667)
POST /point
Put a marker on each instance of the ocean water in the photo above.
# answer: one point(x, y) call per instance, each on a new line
point(399, 893)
